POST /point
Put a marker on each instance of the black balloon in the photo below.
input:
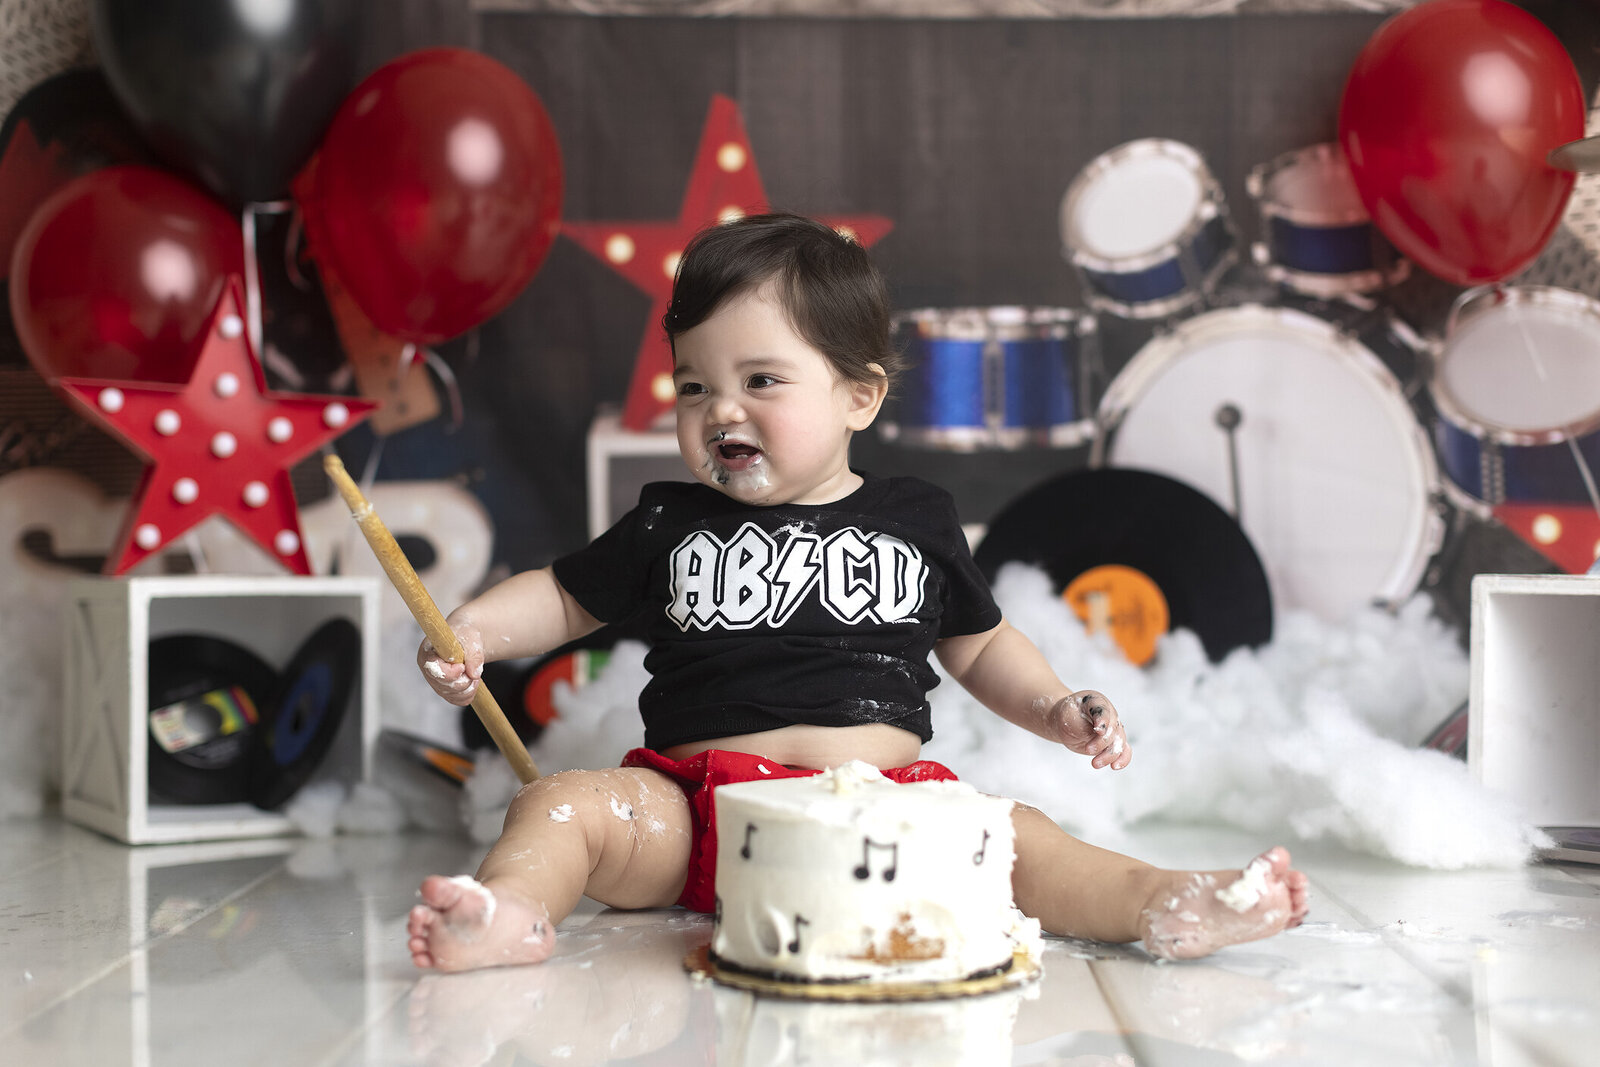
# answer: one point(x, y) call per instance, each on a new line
point(236, 92)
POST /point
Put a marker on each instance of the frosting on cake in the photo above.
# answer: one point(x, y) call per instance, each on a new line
point(847, 876)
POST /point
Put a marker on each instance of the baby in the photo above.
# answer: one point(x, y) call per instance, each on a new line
point(791, 604)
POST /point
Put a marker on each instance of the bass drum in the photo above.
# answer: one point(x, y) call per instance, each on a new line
point(1302, 433)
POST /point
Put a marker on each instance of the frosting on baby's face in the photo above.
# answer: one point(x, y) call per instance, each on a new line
point(762, 415)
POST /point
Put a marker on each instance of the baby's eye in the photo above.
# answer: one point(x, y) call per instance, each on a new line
point(761, 381)
point(690, 389)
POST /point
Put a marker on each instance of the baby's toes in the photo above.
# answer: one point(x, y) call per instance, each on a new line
point(440, 893)
point(1299, 896)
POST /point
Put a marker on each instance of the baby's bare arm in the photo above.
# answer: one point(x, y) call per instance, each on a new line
point(1009, 675)
point(525, 615)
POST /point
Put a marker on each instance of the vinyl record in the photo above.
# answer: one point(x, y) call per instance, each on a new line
point(576, 663)
point(205, 696)
point(424, 754)
point(1450, 736)
point(1147, 552)
point(303, 719)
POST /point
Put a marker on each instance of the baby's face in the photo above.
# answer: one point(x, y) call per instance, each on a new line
point(763, 416)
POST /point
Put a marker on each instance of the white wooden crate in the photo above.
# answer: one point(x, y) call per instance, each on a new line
point(1534, 711)
point(109, 624)
point(621, 462)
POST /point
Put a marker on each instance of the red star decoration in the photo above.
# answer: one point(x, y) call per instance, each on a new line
point(1568, 535)
point(218, 445)
point(724, 184)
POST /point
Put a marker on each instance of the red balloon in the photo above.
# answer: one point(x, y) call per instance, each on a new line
point(117, 273)
point(1447, 117)
point(437, 192)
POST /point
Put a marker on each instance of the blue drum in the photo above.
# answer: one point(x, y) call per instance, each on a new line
point(1317, 237)
point(994, 378)
point(1146, 229)
point(1517, 389)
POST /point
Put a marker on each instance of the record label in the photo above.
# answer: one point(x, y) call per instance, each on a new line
point(202, 727)
point(1124, 601)
point(205, 696)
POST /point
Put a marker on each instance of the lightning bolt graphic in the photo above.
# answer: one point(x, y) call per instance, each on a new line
point(797, 571)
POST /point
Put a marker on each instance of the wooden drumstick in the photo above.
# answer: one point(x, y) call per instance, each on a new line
point(428, 615)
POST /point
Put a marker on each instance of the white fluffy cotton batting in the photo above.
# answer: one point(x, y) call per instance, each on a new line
point(1310, 737)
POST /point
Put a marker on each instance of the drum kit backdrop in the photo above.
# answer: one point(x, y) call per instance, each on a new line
point(1346, 445)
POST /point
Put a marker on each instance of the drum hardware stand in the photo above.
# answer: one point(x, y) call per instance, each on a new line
point(1456, 516)
point(1584, 471)
point(1228, 417)
point(1092, 376)
point(1370, 312)
point(1203, 284)
point(1492, 474)
point(994, 366)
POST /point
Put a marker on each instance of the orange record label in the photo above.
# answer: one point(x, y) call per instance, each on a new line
point(1124, 601)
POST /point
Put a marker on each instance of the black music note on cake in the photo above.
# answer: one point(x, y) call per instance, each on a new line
point(865, 870)
point(749, 828)
point(794, 946)
point(977, 857)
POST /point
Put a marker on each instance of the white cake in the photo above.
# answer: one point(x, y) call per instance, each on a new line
point(847, 876)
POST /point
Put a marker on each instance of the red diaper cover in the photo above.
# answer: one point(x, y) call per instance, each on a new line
point(699, 776)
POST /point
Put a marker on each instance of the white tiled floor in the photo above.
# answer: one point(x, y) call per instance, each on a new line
point(292, 952)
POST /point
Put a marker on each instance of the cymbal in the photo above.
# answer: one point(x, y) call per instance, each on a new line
point(1581, 155)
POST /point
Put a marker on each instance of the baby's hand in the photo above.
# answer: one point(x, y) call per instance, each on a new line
point(1087, 722)
point(456, 682)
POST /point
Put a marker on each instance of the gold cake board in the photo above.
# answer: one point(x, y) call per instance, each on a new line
point(1024, 968)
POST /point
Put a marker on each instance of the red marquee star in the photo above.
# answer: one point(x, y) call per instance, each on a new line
point(1568, 535)
point(723, 184)
point(219, 445)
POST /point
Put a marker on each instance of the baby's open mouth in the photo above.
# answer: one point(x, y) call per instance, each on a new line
point(737, 455)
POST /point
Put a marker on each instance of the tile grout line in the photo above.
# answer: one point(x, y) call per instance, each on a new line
point(370, 1020)
point(127, 959)
point(1131, 1038)
point(1465, 998)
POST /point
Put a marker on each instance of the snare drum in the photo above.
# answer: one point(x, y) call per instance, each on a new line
point(1317, 236)
point(997, 377)
point(1517, 387)
point(1303, 433)
point(1146, 228)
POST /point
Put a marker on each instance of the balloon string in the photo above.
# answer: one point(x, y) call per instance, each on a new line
point(369, 473)
point(1527, 340)
point(452, 388)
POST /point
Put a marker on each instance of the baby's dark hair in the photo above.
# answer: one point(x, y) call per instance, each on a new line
point(835, 297)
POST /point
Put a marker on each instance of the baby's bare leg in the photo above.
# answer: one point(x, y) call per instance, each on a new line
point(621, 836)
point(1078, 890)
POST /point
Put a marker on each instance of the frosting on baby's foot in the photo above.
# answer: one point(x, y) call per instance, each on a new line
point(461, 924)
point(1198, 912)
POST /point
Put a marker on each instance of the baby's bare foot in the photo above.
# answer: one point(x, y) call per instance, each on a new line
point(1197, 913)
point(462, 924)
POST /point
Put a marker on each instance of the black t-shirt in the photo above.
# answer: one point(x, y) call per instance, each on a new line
point(763, 617)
